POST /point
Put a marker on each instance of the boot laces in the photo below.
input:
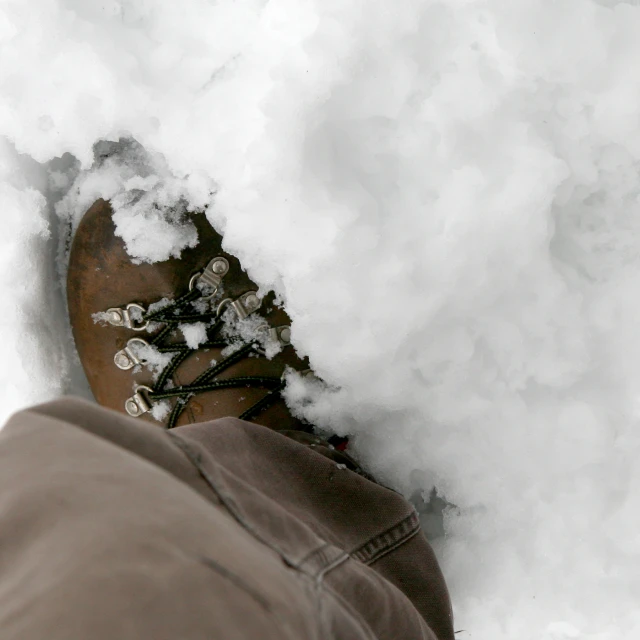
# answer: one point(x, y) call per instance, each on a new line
point(178, 313)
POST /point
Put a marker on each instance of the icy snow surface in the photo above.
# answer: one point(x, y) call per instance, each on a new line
point(445, 194)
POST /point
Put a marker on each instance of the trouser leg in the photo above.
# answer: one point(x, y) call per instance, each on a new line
point(375, 527)
point(113, 528)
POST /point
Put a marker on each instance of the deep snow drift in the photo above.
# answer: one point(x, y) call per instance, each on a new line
point(446, 196)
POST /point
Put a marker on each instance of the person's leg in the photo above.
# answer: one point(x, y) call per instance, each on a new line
point(112, 528)
point(375, 527)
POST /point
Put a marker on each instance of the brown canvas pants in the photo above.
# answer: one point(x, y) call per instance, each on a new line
point(113, 529)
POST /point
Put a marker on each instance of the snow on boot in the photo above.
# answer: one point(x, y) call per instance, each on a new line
point(181, 341)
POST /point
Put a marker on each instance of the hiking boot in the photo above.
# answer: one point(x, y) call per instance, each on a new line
point(181, 341)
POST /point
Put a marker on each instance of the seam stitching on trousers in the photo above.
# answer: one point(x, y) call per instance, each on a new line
point(227, 501)
point(393, 547)
point(311, 553)
point(388, 540)
point(221, 570)
point(321, 560)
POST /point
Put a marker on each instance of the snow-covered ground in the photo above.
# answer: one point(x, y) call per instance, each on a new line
point(446, 195)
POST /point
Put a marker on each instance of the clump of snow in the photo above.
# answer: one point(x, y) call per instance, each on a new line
point(160, 410)
point(304, 393)
point(163, 303)
point(202, 306)
point(445, 196)
point(150, 357)
point(150, 204)
point(101, 317)
point(252, 329)
point(194, 334)
point(152, 232)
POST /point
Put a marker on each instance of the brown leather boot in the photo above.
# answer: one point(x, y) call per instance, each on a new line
point(181, 341)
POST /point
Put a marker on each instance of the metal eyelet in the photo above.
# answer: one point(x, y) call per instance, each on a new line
point(126, 358)
point(211, 276)
point(138, 404)
point(121, 317)
point(243, 306)
point(281, 334)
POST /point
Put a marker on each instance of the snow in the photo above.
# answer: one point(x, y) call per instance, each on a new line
point(194, 334)
point(160, 410)
point(252, 329)
point(444, 195)
point(150, 358)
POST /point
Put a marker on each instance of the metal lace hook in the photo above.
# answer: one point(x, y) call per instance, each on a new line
point(122, 317)
point(126, 358)
point(281, 335)
point(211, 276)
point(243, 306)
point(138, 403)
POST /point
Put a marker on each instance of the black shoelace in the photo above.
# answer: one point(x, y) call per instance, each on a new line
point(177, 313)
